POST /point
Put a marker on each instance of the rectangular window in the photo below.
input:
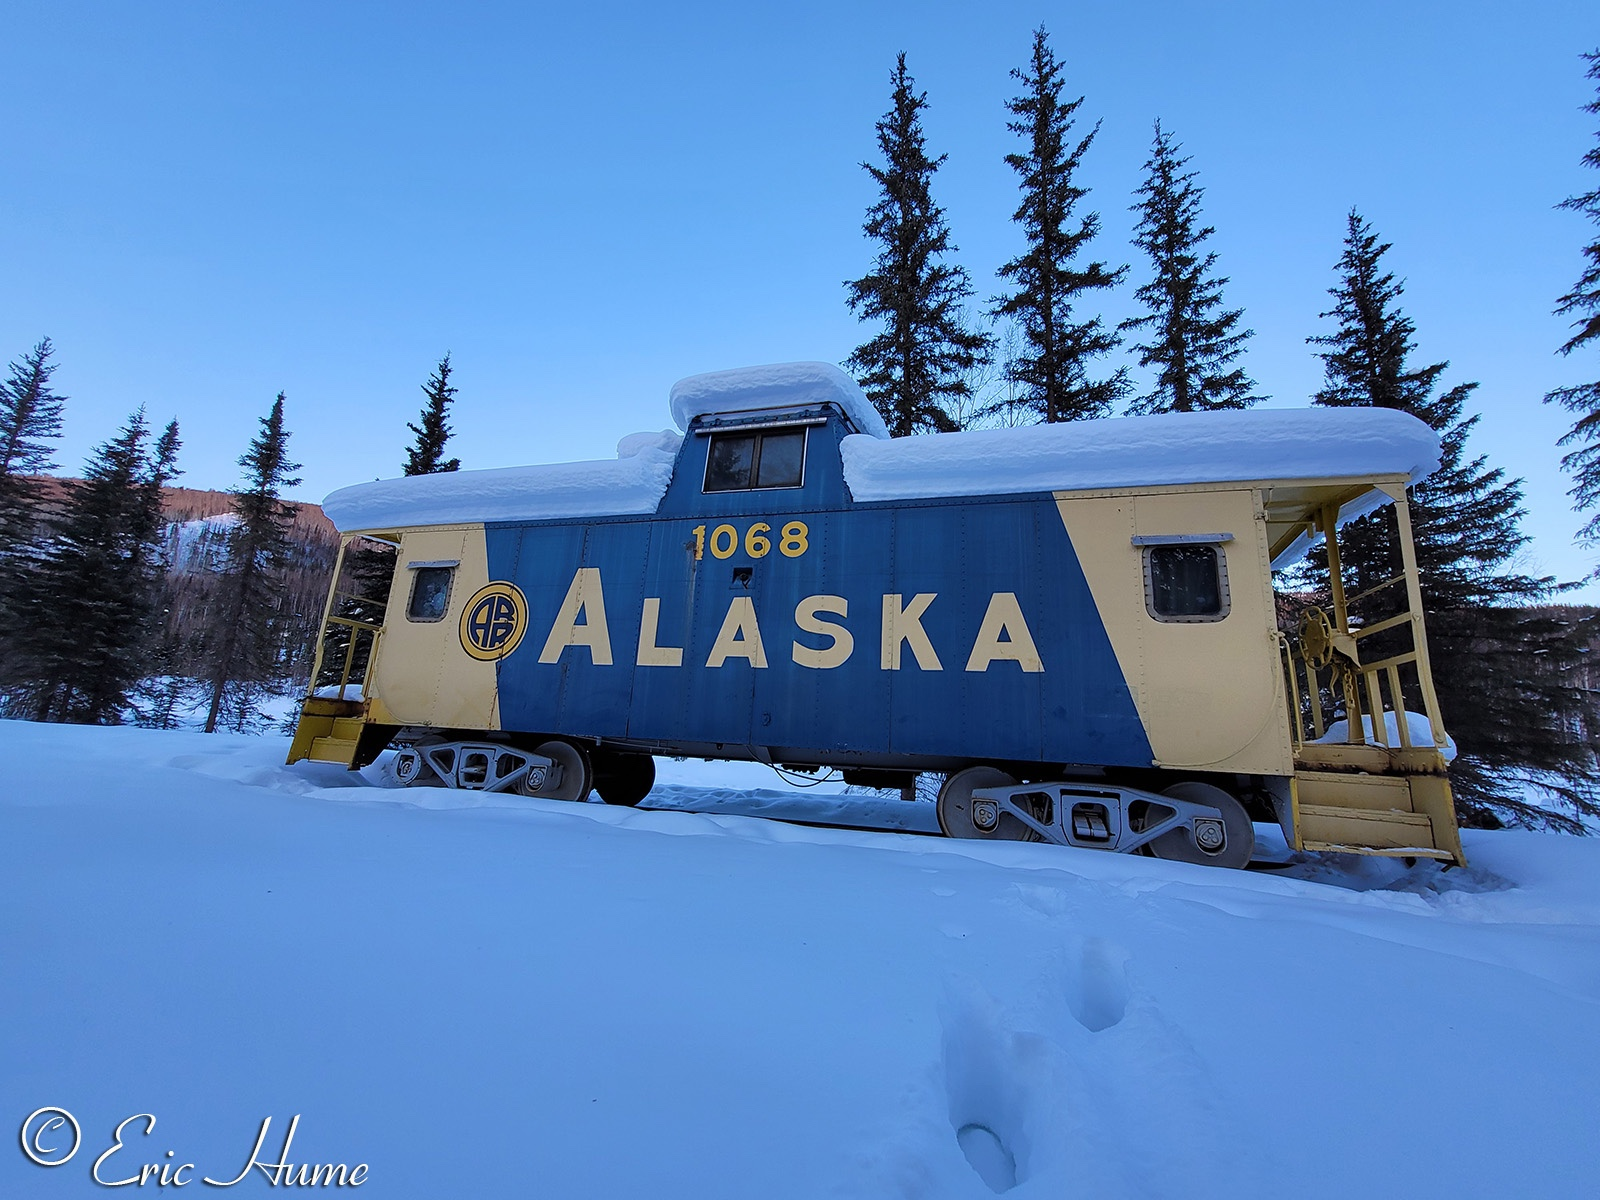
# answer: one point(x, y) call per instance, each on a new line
point(430, 592)
point(1185, 582)
point(769, 458)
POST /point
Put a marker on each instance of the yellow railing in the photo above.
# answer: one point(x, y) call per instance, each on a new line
point(1359, 693)
point(1323, 670)
point(357, 628)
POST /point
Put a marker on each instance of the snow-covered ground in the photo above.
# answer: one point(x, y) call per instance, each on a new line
point(495, 997)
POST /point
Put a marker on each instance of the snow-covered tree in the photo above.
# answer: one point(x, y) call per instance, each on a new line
point(1506, 675)
point(247, 653)
point(1193, 340)
point(1582, 303)
point(916, 369)
point(426, 455)
point(1053, 371)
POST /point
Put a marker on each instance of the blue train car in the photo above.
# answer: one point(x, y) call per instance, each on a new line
point(1074, 625)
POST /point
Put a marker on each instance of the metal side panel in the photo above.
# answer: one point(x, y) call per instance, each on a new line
point(421, 672)
point(1209, 694)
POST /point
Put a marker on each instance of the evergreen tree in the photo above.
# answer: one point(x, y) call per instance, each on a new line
point(1504, 673)
point(246, 653)
point(1052, 372)
point(1193, 340)
point(89, 607)
point(426, 456)
point(1583, 303)
point(915, 371)
point(30, 419)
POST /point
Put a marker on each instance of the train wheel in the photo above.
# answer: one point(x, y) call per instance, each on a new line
point(576, 777)
point(625, 778)
point(956, 808)
point(1180, 844)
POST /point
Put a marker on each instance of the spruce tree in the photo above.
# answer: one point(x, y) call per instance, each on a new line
point(30, 419)
point(1053, 371)
point(1504, 672)
point(89, 606)
point(1583, 304)
point(426, 455)
point(1193, 340)
point(244, 659)
point(916, 370)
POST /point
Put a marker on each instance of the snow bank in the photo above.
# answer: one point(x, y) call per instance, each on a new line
point(1421, 732)
point(781, 384)
point(1211, 447)
point(631, 484)
point(484, 995)
point(666, 441)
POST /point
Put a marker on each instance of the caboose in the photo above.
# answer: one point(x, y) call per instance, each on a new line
point(1074, 625)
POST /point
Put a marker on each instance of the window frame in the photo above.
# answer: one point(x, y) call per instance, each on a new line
point(416, 569)
point(1217, 544)
point(759, 433)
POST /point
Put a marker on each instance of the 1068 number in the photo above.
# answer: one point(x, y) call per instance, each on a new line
point(723, 540)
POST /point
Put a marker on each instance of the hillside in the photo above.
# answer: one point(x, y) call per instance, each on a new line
point(188, 504)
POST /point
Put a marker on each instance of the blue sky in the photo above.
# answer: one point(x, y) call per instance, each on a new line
point(204, 204)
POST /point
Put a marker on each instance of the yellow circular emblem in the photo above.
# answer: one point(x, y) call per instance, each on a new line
point(494, 621)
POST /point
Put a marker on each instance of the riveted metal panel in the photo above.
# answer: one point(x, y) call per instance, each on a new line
point(1048, 688)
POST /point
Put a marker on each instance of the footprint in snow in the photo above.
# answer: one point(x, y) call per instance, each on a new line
point(1097, 984)
point(991, 1084)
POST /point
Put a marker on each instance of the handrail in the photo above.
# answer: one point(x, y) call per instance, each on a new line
point(1390, 623)
point(1397, 660)
point(1375, 589)
point(353, 623)
point(357, 628)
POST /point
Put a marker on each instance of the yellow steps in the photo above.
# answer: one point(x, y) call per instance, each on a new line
point(1323, 826)
point(328, 731)
point(1335, 789)
point(335, 750)
point(1395, 815)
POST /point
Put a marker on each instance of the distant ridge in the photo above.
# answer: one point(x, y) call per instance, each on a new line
point(188, 504)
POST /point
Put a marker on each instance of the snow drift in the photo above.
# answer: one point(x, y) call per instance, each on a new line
point(480, 995)
point(1120, 452)
point(781, 385)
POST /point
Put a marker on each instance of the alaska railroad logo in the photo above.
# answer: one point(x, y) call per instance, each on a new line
point(494, 621)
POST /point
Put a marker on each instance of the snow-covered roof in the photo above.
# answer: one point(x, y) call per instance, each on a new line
point(778, 385)
point(631, 483)
point(1177, 448)
point(1173, 448)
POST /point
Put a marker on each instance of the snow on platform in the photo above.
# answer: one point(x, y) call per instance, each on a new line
point(488, 996)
